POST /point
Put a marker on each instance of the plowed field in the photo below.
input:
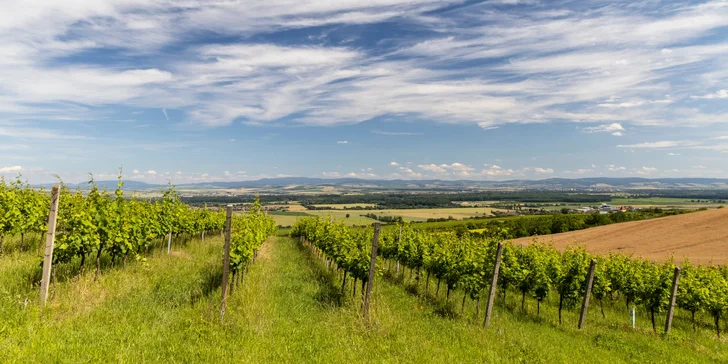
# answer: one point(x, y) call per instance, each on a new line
point(700, 236)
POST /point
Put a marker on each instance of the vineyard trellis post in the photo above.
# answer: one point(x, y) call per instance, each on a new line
point(399, 245)
point(372, 266)
point(50, 238)
point(632, 315)
point(493, 284)
point(169, 242)
point(587, 294)
point(673, 297)
point(226, 259)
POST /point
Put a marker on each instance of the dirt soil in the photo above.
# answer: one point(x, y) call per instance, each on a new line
point(700, 236)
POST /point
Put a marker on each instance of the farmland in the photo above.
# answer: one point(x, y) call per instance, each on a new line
point(288, 218)
point(701, 236)
point(166, 307)
point(345, 206)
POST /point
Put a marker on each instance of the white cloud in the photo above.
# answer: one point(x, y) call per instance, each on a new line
point(432, 168)
point(360, 175)
point(539, 170)
point(342, 142)
point(700, 167)
point(577, 57)
point(673, 154)
point(179, 173)
point(613, 168)
point(659, 145)
point(611, 128)
point(645, 170)
point(454, 168)
point(136, 171)
point(617, 133)
point(331, 174)
point(496, 171)
point(11, 169)
point(720, 94)
point(165, 113)
point(151, 172)
point(395, 164)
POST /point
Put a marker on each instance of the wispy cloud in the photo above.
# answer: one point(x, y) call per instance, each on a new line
point(720, 94)
point(615, 128)
point(165, 113)
point(394, 133)
point(660, 144)
point(36, 133)
point(342, 142)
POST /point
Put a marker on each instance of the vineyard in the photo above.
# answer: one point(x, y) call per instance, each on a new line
point(97, 223)
point(147, 273)
point(536, 271)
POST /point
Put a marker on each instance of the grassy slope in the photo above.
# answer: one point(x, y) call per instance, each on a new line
point(288, 310)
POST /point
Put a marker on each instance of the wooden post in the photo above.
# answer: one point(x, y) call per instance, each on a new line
point(493, 284)
point(226, 259)
point(203, 236)
point(372, 265)
point(632, 316)
point(50, 239)
point(399, 241)
point(673, 297)
point(587, 294)
point(169, 242)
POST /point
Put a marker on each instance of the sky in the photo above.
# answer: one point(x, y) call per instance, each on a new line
point(191, 91)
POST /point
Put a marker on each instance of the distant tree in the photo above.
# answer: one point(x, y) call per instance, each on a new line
point(565, 210)
point(347, 216)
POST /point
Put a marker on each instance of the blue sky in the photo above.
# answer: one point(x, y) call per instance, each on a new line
point(486, 90)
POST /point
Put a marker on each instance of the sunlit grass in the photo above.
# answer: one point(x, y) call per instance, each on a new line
point(289, 308)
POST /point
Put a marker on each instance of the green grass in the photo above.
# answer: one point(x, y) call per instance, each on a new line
point(289, 309)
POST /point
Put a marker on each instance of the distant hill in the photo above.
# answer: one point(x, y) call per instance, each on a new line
point(580, 184)
point(551, 183)
point(110, 185)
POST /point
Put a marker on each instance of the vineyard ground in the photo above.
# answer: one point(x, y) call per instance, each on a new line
point(701, 236)
point(288, 310)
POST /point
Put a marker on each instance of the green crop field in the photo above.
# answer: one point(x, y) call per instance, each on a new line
point(342, 206)
point(353, 219)
point(286, 218)
point(289, 308)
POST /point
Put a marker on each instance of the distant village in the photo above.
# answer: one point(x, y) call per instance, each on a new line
point(602, 209)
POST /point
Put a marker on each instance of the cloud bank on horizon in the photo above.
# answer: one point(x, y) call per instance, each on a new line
point(166, 86)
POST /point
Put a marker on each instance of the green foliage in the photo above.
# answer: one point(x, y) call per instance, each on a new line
point(249, 231)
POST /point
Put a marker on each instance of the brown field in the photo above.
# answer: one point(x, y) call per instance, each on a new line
point(700, 236)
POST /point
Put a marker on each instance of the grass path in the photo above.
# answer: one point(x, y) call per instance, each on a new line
point(287, 310)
